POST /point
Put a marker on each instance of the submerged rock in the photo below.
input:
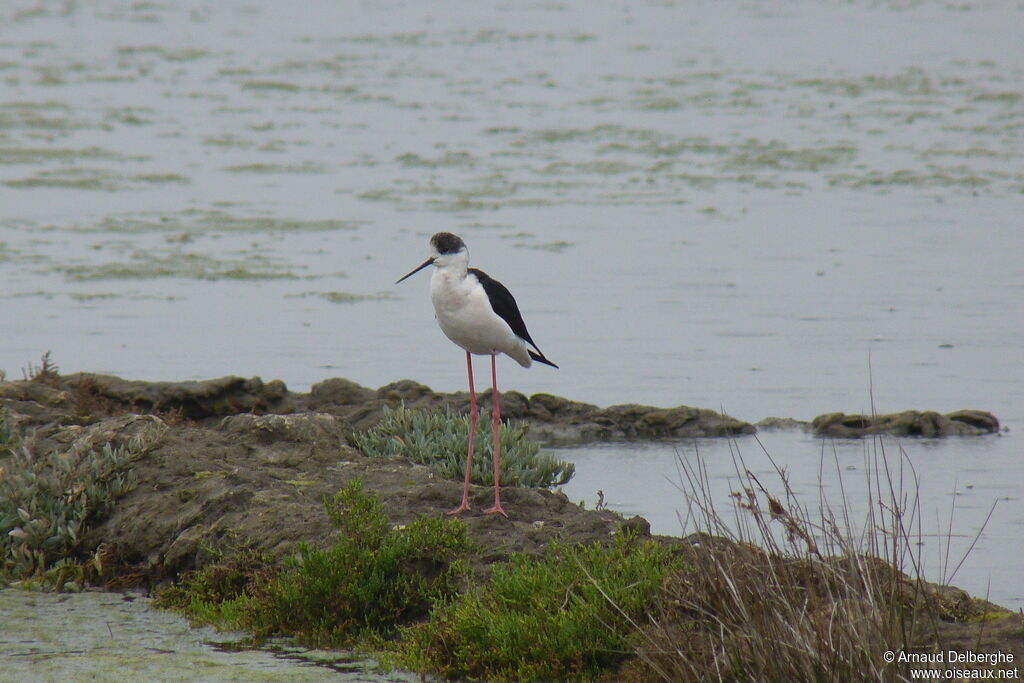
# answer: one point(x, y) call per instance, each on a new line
point(927, 424)
point(782, 423)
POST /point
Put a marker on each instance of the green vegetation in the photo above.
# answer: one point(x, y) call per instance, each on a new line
point(372, 579)
point(565, 615)
point(343, 297)
point(440, 440)
point(767, 589)
point(47, 503)
point(199, 222)
point(178, 264)
point(78, 178)
point(225, 592)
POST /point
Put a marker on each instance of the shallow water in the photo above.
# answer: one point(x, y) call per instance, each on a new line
point(112, 637)
point(773, 209)
point(963, 526)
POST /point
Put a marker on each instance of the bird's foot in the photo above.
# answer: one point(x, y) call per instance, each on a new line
point(496, 509)
point(461, 508)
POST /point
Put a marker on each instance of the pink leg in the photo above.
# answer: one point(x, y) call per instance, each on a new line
point(496, 415)
point(472, 433)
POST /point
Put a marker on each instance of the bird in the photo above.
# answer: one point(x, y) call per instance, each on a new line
point(480, 315)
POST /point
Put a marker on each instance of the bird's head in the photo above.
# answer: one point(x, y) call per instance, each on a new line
point(446, 249)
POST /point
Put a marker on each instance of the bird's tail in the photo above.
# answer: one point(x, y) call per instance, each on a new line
point(539, 357)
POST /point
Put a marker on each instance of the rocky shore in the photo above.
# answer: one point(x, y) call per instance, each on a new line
point(81, 397)
point(234, 459)
point(237, 461)
point(228, 463)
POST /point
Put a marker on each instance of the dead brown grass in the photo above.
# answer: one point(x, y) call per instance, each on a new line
point(776, 595)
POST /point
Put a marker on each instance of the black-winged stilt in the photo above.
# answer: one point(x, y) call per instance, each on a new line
point(479, 314)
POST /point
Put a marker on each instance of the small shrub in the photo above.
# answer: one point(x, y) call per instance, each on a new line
point(225, 593)
point(46, 503)
point(372, 579)
point(440, 440)
point(46, 372)
point(565, 615)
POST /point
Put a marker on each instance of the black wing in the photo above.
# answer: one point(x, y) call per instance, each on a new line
point(504, 304)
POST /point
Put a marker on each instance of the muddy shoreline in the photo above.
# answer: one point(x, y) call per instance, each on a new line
point(235, 463)
point(554, 420)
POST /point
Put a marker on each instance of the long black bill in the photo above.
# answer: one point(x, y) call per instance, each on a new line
point(423, 265)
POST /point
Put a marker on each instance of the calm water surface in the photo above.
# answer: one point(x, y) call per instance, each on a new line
point(112, 637)
point(770, 209)
point(964, 524)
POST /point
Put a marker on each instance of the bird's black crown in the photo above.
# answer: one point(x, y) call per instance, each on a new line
point(447, 243)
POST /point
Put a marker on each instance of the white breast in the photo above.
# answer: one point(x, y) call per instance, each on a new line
point(465, 316)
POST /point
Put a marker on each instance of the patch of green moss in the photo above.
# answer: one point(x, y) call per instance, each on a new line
point(69, 179)
point(306, 167)
point(146, 265)
point(344, 297)
point(281, 86)
point(988, 616)
point(158, 178)
point(36, 155)
point(566, 615)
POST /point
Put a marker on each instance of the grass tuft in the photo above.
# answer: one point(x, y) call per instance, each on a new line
point(776, 594)
point(372, 579)
point(46, 372)
point(440, 439)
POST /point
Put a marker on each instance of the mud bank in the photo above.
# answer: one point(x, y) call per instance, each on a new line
point(232, 463)
point(84, 397)
point(234, 460)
